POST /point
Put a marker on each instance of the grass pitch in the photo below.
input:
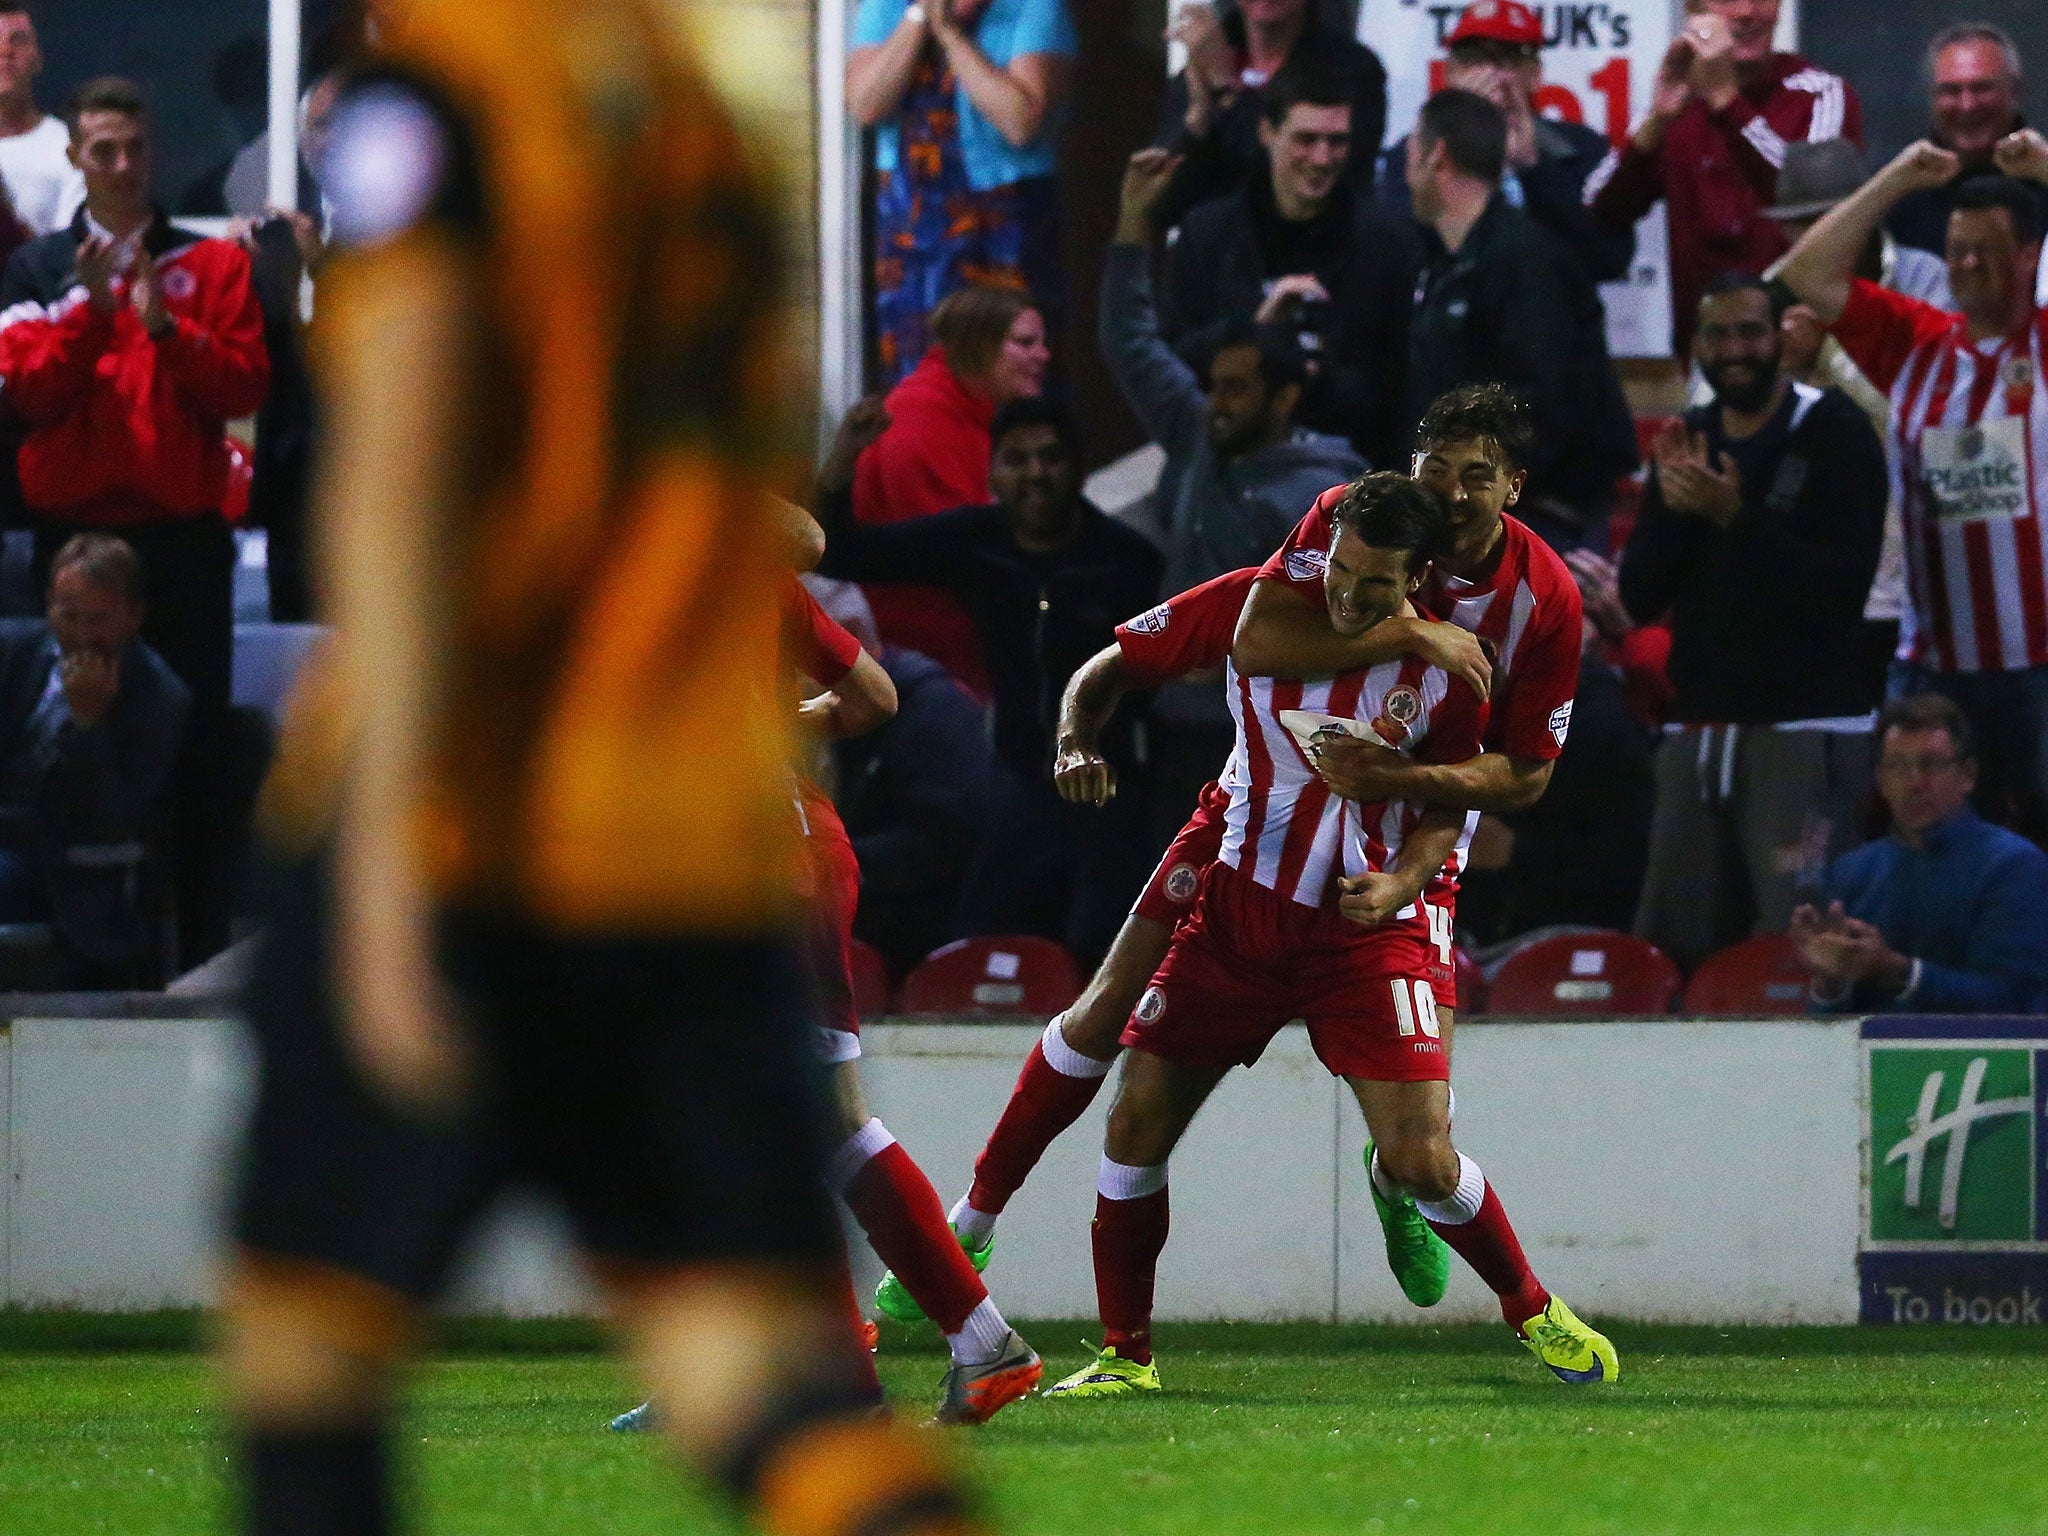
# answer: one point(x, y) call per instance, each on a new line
point(1297, 1429)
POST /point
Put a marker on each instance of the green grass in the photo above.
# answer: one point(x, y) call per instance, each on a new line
point(107, 1426)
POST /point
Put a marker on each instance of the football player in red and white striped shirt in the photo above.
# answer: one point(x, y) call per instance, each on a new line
point(1312, 910)
point(1968, 440)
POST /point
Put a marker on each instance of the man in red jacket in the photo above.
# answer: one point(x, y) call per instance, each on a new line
point(1711, 147)
point(126, 345)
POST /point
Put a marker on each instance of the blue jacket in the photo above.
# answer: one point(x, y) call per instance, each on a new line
point(1970, 904)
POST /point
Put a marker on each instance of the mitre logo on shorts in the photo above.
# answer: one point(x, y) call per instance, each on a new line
point(1181, 881)
point(1152, 621)
point(1151, 1005)
point(1307, 564)
point(1561, 722)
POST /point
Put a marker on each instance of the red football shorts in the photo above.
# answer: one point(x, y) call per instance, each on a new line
point(831, 881)
point(1440, 903)
point(1248, 960)
point(1169, 895)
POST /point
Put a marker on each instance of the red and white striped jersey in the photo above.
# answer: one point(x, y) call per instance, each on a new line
point(1190, 632)
point(1284, 827)
point(1528, 610)
point(1968, 445)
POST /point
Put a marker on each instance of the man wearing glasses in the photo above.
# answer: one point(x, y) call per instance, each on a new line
point(1947, 914)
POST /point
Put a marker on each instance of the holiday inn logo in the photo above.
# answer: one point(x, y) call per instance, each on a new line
point(1952, 1145)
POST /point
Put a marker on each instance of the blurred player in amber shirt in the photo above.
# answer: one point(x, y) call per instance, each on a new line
point(532, 817)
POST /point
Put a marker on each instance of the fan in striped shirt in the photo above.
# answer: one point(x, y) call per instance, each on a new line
point(1968, 443)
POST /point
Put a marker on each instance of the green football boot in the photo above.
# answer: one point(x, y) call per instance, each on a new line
point(1420, 1259)
point(893, 1299)
point(1108, 1375)
point(1574, 1352)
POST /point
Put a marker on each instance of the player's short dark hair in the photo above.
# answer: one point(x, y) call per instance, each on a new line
point(1722, 284)
point(107, 93)
point(102, 558)
point(1391, 511)
point(1472, 130)
point(1281, 361)
point(1929, 712)
point(1306, 80)
point(1491, 413)
point(1034, 411)
point(2021, 202)
point(970, 324)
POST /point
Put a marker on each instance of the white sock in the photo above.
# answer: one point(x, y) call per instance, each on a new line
point(853, 1156)
point(1463, 1202)
point(1381, 1182)
point(976, 1226)
point(1063, 1058)
point(981, 1337)
point(1120, 1181)
point(1451, 1111)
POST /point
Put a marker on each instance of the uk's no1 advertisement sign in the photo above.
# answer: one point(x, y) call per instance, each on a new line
point(1955, 1225)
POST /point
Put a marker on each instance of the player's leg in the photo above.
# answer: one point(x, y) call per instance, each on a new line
point(1410, 1124)
point(899, 1210)
point(1156, 1101)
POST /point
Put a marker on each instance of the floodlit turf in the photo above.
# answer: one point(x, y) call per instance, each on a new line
point(1263, 1429)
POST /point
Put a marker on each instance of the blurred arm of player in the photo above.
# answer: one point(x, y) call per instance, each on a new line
point(858, 703)
point(801, 540)
point(1282, 634)
point(401, 362)
point(1079, 770)
point(1373, 898)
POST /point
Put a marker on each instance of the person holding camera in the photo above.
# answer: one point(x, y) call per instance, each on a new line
point(1300, 248)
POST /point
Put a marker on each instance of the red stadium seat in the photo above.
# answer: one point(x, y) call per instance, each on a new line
point(870, 980)
point(1761, 977)
point(1471, 984)
point(1005, 973)
point(1587, 973)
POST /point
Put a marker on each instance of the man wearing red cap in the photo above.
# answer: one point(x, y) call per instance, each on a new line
point(1725, 107)
point(1496, 51)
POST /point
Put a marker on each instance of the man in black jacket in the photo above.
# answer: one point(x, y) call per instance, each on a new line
point(1496, 51)
point(91, 721)
point(1759, 535)
point(1502, 301)
point(1298, 247)
point(1210, 112)
point(1045, 578)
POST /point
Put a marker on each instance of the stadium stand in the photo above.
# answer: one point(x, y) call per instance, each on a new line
point(1003, 973)
point(1587, 974)
point(1761, 977)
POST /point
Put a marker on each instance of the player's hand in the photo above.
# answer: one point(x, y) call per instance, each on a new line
point(1921, 166)
point(1371, 899)
point(1083, 775)
point(96, 256)
point(865, 422)
point(1803, 336)
point(1357, 769)
point(1712, 72)
point(90, 680)
point(1288, 295)
point(2023, 154)
point(146, 293)
point(1457, 652)
point(1146, 176)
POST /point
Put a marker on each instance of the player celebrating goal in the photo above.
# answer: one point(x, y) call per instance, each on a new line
point(1312, 910)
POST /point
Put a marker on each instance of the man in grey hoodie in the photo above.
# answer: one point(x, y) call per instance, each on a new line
point(1239, 472)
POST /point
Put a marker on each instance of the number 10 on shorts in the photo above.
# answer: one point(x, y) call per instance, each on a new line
point(1415, 1007)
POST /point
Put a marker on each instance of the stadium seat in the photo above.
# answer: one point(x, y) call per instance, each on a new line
point(870, 980)
point(1471, 984)
point(1005, 973)
point(1587, 973)
point(1761, 977)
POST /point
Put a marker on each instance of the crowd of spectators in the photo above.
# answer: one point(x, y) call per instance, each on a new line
point(1828, 567)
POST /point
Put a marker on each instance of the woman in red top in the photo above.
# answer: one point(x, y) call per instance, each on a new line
point(988, 348)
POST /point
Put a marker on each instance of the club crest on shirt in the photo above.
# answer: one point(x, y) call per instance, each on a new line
point(1307, 564)
point(1181, 881)
point(1151, 1005)
point(1561, 722)
point(1404, 705)
point(2018, 373)
point(1152, 621)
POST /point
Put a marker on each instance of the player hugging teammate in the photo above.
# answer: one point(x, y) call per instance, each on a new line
point(1318, 877)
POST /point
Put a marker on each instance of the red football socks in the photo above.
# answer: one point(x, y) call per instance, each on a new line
point(1128, 1237)
point(899, 1210)
point(1488, 1243)
point(1044, 1103)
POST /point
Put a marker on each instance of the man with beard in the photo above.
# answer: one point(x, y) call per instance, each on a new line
point(1759, 535)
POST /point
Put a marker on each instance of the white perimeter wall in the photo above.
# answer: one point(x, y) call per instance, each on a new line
point(1702, 1172)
